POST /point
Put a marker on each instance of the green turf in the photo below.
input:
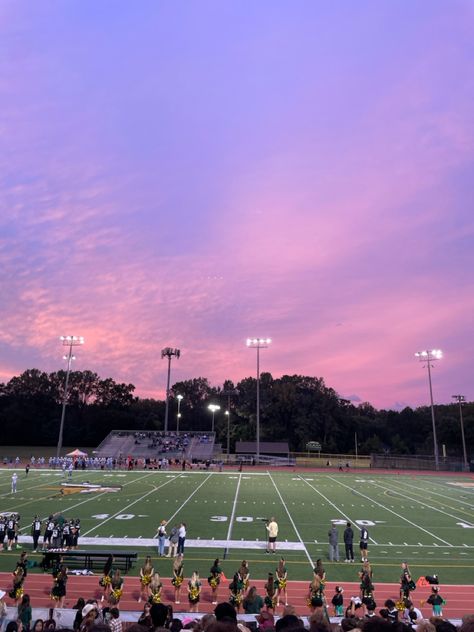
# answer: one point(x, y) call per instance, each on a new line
point(413, 518)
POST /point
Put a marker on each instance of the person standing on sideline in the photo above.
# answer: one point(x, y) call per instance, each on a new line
point(363, 544)
point(36, 532)
point(14, 482)
point(333, 536)
point(161, 538)
point(348, 543)
point(181, 538)
point(272, 529)
point(173, 543)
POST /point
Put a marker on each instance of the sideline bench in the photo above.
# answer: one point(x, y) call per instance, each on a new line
point(88, 559)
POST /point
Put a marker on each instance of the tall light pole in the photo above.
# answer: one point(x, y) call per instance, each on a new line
point(169, 353)
point(227, 413)
point(461, 399)
point(258, 343)
point(67, 341)
point(213, 408)
point(178, 415)
point(428, 356)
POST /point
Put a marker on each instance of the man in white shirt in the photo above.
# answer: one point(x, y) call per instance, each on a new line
point(272, 529)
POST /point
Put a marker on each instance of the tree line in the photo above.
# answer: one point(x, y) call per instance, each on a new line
point(293, 408)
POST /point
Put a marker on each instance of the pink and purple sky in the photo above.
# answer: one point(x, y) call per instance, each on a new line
point(190, 174)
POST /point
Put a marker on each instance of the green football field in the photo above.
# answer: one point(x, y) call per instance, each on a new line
point(426, 520)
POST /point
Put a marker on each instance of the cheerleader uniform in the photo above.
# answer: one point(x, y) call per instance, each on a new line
point(270, 597)
point(58, 591)
point(194, 592)
point(178, 576)
point(17, 591)
point(366, 587)
point(116, 591)
point(406, 584)
point(155, 596)
point(236, 588)
point(214, 578)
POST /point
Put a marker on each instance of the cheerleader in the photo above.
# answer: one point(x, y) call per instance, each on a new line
point(106, 579)
point(315, 592)
point(436, 602)
point(236, 588)
point(270, 592)
point(178, 576)
point(214, 579)
point(17, 591)
point(281, 579)
point(338, 602)
point(321, 573)
point(146, 573)
point(116, 588)
point(194, 592)
point(406, 582)
point(155, 589)
point(58, 592)
point(366, 585)
point(245, 574)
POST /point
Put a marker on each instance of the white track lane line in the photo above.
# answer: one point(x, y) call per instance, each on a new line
point(333, 505)
point(391, 511)
point(291, 520)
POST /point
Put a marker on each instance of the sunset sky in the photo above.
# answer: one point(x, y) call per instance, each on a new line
point(192, 173)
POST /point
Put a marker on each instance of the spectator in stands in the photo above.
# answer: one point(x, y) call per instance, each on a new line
point(253, 602)
point(224, 612)
point(79, 605)
point(115, 622)
point(145, 617)
point(288, 622)
point(38, 626)
point(25, 612)
point(3, 607)
point(160, 615)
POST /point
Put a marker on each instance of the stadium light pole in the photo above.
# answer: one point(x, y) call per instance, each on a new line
point(461, 400)
point(67, 341)
point(169, 353)
point(178, 415)
point(213, 408)
point(428, 356)
point(227, 413)
point(258, 343)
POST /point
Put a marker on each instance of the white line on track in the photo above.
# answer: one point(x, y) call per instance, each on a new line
point(449, 499)
point(392, 511)
point(190, 496)
point(291, 520)
point(332, 504)
point(404, 495)
point(117, 513)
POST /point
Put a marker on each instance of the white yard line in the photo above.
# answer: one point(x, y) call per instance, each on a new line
point(120, 511)
point(291, 520)
point(232, 515)
point(333, 505)
point(414, 500)
point(446, 498)
point(189, 497)
point(89, 499)
point(391, 511)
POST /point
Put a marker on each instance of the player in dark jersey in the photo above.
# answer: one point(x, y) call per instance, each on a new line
point(36, 532)
point(10, 525)
point(3, 532)
point(48, 532)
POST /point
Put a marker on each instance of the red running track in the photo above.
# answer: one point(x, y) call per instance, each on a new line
point(458, 598)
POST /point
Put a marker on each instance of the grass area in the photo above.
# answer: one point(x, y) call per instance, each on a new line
point(426, 520)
